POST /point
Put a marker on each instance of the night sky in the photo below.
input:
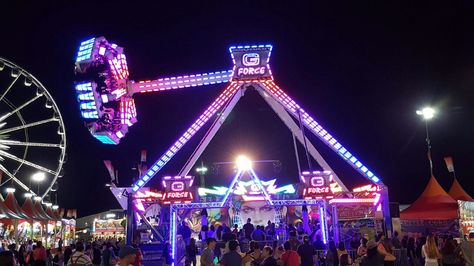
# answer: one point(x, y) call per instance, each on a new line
point(360, 68)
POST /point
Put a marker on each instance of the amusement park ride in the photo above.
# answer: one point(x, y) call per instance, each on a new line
point(105, 94)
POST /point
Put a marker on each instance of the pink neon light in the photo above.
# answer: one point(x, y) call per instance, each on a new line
point(317, 181)
point(351, 201)
point(368, 188)
point(184, 81)
point(377, 198)
point(118, 66)
point(177, 186)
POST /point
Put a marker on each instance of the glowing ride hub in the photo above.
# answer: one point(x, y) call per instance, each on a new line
point(105, 94)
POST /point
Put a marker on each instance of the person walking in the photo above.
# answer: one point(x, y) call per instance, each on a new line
point(467, 249)
point(231, 258)
point(108, 255)
point(207, 255)
point(373, 257)
point(450, 254)
point(96, 256)
point(430, 252)
point(306, 252)
point(267, 256)
point(191, 252)
point(332, 258)
point(248, 229)
point(127, 255)
point(39, 255)
point(289, 257)
point(79, 257)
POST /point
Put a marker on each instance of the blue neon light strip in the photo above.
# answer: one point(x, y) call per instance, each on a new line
point(291, 106)
point(85, 50)
point(173, 234)
point(166, 157)
point(231, 188)
point(322, 218)
point(104, 139)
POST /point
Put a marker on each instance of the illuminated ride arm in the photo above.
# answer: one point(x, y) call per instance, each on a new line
point(164, 84)
point(296, 111)
point(104, 91)
point(187, 135)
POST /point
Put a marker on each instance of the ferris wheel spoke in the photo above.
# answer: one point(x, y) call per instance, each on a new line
point(5, 116)
point(12, 177)
point(37, 123)
point(9, 87)
point(31, 144)
point(39, 167)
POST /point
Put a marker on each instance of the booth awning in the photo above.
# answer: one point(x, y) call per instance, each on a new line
point(13, 205)
point(458, 193)
point(40, 211)
point(433, 204)
point(29, 208)
point(6, 212)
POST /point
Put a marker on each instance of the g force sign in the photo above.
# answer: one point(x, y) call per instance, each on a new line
point(317, 184)
point(178, 189)
point(251, 63)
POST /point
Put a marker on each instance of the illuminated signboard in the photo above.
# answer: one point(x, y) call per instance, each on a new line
point(248, 190)
point(177, 189)
point(318, 184)
point(251, 63)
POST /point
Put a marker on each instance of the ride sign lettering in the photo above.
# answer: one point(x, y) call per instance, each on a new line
point(178, 189)
point(251, 63)
point(316, 184)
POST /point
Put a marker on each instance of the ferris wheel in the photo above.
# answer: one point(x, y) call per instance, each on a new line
point(32, 134)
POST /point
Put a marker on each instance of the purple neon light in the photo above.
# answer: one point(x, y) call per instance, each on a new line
point(322, 218)
point(249, 47)
point(184, 81)
point(319, 131)
point(208, 113)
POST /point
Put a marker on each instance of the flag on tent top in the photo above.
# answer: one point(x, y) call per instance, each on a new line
point(449, 163)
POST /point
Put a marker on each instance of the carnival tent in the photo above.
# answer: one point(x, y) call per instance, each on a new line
point(13, 205)
point(458, 193)
point(5, 211)
point(30, 210)
point(433, 204)
point(41, 212)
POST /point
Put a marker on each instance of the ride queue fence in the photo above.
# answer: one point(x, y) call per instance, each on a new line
point(320, 257)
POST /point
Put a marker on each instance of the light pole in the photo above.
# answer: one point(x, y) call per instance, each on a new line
point(38, 178)
point(427, 113)
point(202, 173)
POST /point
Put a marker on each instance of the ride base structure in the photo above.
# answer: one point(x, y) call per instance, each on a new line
point(105, 94)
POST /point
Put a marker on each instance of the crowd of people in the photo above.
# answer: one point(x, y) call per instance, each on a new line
point(258, 246)
point(101, 252)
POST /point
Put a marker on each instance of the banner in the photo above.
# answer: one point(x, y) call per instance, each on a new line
point(466, 216)
point(449, 227)
point(355, 211)
point(449, 163)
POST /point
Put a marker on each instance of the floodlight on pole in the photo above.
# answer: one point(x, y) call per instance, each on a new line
point(427, 113)
point(28, 195)
point(38, 198)
point(202, 170)
point(10, 190)
point(38, 177)
point(243, 163)
point(55, 207)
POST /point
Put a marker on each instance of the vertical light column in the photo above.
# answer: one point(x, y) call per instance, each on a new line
point(323, 221)
point(173, 233)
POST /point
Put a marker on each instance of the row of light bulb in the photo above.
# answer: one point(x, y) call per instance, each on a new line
point(37, 198)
